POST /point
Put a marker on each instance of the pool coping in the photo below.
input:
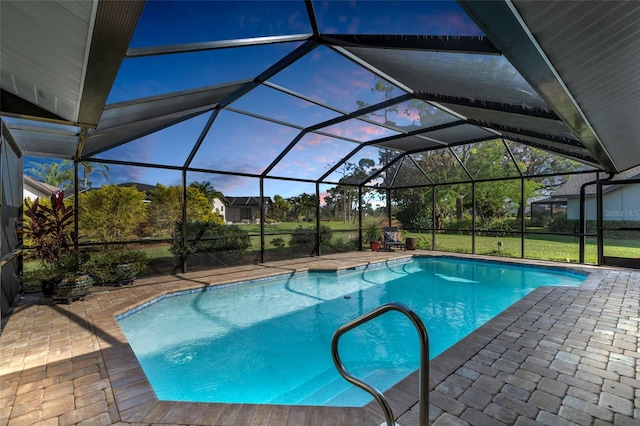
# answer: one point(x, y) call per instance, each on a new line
point(137, 402)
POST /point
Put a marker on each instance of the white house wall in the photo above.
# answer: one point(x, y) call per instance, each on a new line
point(573, 208)
point(621, 204)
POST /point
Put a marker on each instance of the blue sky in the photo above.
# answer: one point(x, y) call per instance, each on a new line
point(245, 144)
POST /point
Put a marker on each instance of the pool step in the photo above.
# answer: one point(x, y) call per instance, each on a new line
point(328, 388)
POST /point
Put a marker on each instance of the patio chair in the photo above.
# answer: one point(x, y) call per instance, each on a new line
point(392, 238)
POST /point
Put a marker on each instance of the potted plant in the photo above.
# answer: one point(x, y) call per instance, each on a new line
point(117, 266)
point(373, 235)
point(74, 280)
point(49, 230)
point(38, 276)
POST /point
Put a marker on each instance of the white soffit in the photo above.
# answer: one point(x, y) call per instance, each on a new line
point(44, 50)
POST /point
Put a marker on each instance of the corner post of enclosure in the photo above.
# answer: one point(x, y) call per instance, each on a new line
point(388, 194)
point(433, 217)
point(473, 217)
point(76, 204)
point(360, 217)
point(600, 222)
point(523, 217)
point(318, 211)
point(184, 221)
point(262, 219)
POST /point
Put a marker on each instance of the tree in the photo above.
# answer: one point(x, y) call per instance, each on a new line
point(303, 205)
point(279, 208)
point(111, 213)
point(56, 173)
point(88, 168)
point(165, 208)
point(207, 189)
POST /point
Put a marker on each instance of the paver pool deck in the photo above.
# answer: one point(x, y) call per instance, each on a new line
point(560, 356)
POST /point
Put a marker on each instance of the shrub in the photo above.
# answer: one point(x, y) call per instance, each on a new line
point(302, 236)
point(278, 242)
point(208, 237)
point(562, 224)
point(457, 225)
point(424, 242)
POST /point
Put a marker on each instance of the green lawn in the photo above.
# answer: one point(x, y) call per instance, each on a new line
point(562, 248)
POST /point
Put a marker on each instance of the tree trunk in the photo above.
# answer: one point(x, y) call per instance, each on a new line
point(459, 207)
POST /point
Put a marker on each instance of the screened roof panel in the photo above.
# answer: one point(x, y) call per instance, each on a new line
point(37, 143)
point(457, 134)
point(364, 163)
point(397, 17)
point(333, 80)
point(517, 121)
point(169, 146)
point(280, 106)
point(358, 130)
point(432, 50)
point(409, 143)
point(469, 76)
point(241, 143)
point(312, 157)
point(409, 174)
point(155, 75)
point(100, 141)
point(126, 121)
point(441, 166)
point(172, 103)
point(534, 161)
point(35, 137)
point(566, 149)
point(411, 115)
point(202, 21)
point(487, 160)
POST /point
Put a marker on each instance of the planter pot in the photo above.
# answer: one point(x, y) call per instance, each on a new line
point(126, 273)
point(70, 289)
point(375, 245)
point(411, 243)
point(48, 287)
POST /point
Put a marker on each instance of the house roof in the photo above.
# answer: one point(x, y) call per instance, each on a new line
point(571, 188)
point(246, 201)
point(142, 187)
point(42, 187)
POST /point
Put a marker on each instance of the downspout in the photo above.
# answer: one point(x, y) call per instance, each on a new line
point(583, 219)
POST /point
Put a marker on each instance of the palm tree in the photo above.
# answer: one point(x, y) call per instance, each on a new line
point(207, 189)
point(88, 168)
point(56, 173)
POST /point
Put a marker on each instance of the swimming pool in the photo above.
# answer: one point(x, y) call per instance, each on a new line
point(269, 341)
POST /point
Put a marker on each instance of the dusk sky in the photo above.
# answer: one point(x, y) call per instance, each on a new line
point(242, 143)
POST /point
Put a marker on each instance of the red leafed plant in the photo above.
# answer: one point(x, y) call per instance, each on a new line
point(50, 228)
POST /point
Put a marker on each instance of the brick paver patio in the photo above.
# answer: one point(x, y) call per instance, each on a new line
point(560, 356)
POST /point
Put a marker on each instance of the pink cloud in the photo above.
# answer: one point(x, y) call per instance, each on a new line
point(315, 139)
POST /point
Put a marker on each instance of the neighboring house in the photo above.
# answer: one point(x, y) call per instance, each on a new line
point(619, 202)
point(33, 189)
point(219, 206)
point(245, 209)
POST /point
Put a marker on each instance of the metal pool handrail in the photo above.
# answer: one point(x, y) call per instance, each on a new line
point(423, 402)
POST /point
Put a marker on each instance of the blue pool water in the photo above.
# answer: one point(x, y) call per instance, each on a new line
point(269, 341)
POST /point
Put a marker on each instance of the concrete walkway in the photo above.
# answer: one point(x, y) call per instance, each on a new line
point(560, 356)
